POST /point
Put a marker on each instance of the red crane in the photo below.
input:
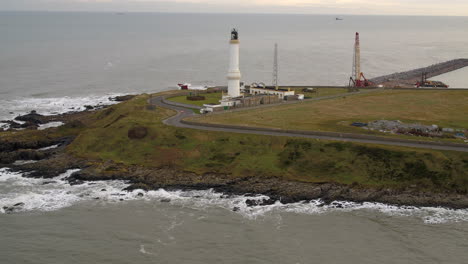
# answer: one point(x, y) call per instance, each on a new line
point(358, 79)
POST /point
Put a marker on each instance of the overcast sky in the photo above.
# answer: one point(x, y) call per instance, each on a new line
point(375, 7)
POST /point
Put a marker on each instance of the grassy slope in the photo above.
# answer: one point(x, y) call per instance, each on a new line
point(445, 108)
point(262, 156)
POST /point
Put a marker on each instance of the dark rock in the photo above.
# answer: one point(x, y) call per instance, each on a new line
point(336, 205)
point(140, 194)
point(48, 182)
point(12, 124)
point(75, 182)
point(11, 157)
point(10, 146)
point(103, 190)
point(268, 202)
point(165, 200)
point(262, 202)
point(122, 98)
point(8, 210)
point(137, 132)
point(32, 117)
point(89, 107)
point(12, 209)
point(236, 209)
point(139, 186)
point(15, 125)
point(251, 203)
point(121, 200)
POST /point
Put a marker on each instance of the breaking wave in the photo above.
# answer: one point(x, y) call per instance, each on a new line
point(56, 193)
point(9, 109)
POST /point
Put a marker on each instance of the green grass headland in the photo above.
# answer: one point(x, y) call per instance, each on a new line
point(443, 108)
point(105, 137)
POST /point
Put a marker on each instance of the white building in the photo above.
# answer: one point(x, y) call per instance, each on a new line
point(281, 93)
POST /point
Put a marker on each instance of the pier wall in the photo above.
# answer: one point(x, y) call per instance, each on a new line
point(409, 78)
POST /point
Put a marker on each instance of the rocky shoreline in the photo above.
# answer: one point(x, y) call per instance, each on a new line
point(56, 162)
point(33, 120)
point(51, 162)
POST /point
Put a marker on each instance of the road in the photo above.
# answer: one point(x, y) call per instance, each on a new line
point(183, 112)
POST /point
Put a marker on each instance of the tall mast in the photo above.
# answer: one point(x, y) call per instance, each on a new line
point(275, 67)
point(357, 59)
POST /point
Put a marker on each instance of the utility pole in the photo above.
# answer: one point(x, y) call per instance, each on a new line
point(275, 67)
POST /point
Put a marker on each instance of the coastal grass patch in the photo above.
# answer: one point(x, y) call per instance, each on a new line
point(210, 98)
point(242, 155)
point(444, 108)
point(70, 129)
point(318, 92)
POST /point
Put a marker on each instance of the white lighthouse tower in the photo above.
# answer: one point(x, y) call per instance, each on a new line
point(234, 74)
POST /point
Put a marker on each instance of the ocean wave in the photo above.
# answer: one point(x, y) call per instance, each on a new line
point(56, 193)
point(9, 109)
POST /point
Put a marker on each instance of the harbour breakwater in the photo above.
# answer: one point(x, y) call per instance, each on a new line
point(409, 78)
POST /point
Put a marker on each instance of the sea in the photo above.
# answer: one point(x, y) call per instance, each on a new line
point(55, 62)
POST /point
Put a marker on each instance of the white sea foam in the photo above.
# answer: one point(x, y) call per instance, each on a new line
point(53, 194)
point(50, 125)
point(56, 193)
point(9, 109)
point(49, 147)
point(24, 162)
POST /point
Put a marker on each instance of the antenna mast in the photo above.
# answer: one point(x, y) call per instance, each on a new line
point(357, 59)
point(275, 67)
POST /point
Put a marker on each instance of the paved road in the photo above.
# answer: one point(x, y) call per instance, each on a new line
point(183, 112)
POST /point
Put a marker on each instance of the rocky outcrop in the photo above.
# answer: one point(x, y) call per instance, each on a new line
point(51, 161)
point(277, 189)
point(13, 208)
point(50, 167)
point(122, 98)
point(32, 117)
point(25, 125)
point(11, 146)
point(24, 154)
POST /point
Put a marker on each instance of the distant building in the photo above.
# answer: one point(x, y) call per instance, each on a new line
point(280, 92)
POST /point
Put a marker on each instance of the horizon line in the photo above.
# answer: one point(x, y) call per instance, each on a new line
point(217, 13)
